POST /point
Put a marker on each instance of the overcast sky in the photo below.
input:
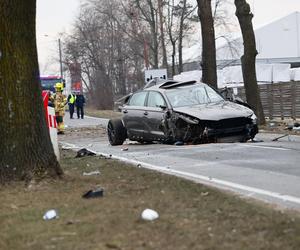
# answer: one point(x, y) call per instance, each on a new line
point(57, 16)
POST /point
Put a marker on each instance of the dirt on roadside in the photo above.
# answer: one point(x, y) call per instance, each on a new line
point(85, 132)
point(191, 216)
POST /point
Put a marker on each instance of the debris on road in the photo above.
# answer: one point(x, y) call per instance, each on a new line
point(277, 138)
point(93, 193)
point(179, 143)
point(84, 152)
point(50, 214)
point(124, 149)
point(97, 172)
point(256, 140)
point(149, 215)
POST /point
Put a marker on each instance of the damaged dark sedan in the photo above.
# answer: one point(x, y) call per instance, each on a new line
point(187, 112)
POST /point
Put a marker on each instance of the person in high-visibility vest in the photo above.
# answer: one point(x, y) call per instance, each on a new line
point(71, 101)
point(59, 100)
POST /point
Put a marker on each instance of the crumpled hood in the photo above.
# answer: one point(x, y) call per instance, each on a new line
point(216, 111)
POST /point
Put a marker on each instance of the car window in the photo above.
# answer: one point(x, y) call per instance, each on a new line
point(192, 95)
point(138, 99)
point(155, 99)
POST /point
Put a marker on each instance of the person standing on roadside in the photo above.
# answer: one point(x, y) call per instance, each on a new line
point(59, 100)
point(80, 101)
point(71, 101)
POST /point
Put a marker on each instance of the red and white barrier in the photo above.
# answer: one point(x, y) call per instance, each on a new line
point(52, 125)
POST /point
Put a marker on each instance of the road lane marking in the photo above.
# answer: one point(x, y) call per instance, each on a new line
point(266, 147)
point(207, 179)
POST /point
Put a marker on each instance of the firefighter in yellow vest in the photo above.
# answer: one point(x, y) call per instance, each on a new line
point(59, 100)
point(71, 101)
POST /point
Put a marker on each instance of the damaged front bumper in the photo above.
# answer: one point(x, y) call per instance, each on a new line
point(180, 127)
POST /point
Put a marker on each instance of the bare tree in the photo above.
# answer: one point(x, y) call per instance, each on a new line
point(25, 149)
point(180, 22)
point(162, 35)
point(208, 64)
point(107, 43)
point(148, 13)
point(245, 16)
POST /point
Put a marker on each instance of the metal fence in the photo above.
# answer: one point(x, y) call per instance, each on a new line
point(279, 100)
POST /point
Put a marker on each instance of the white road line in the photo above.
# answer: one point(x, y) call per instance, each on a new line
point(207, 179)
point(266, 147)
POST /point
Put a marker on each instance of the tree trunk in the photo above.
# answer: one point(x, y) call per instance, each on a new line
point(173, 57)
point(209, 65)
point(162, 35)
point(245, 16)
point(180, 37)
point(26, 151)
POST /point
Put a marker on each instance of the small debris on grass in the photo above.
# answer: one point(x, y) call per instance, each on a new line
point(13, 206)
point(204, 193)
point(93, 193)
point(272, 124)
point(149, 215)
point(97, 172)
point(139, 165)
point(101, 156)
point(296, 124)
point(84, 152)
point(112, 246)
point(50, 214)
point(71, 222)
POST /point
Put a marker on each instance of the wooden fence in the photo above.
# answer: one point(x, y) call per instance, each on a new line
point(279, 100)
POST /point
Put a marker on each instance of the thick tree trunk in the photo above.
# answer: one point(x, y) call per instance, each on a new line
point(208, 64)
point(245, 16)
point(26, 151)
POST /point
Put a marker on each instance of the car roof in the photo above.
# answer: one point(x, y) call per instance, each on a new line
point(169, 84)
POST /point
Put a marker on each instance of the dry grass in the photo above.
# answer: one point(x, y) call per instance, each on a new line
point(109, 114)
point(192, 216)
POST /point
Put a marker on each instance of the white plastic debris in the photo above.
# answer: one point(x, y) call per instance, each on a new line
point(149, 215)
point(50, 214)
point(97, 172)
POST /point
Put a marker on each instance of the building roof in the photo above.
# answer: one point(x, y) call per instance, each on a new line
point(277, 41)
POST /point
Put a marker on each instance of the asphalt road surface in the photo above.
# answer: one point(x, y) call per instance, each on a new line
point(268, 170)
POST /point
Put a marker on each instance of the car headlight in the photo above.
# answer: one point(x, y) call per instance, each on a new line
point(253, 118)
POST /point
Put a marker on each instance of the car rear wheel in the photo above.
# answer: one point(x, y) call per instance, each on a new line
point(116, 132)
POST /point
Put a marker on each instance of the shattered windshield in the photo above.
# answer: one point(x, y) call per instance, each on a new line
point(192, 95)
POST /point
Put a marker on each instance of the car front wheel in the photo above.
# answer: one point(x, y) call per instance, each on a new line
point(116, 132)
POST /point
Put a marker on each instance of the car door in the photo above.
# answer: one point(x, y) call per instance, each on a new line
point(133, 114)
point(153, 116)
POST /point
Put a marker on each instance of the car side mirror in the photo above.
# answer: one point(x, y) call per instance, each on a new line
point(163, 107)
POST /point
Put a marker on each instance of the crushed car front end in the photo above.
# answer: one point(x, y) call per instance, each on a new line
point(179, 126)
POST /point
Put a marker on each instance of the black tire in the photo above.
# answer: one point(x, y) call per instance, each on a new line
point(116, 132)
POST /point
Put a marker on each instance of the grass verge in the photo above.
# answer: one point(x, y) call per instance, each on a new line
point(192, 216)
point(109, 114)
